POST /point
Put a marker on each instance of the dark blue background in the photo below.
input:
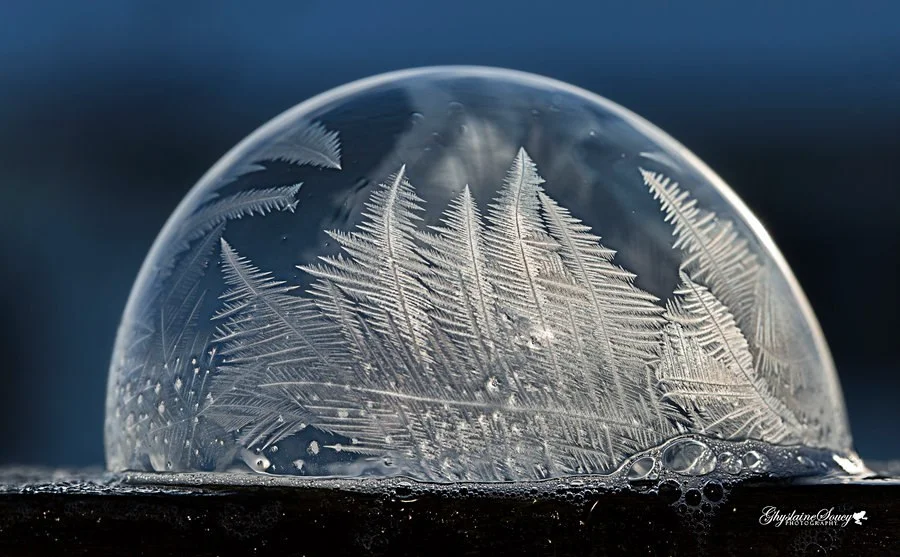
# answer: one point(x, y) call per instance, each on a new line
point(111, 110)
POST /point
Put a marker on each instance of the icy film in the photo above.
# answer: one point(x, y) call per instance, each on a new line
point(469, 274)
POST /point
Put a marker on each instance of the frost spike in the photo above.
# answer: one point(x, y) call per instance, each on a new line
point(714, 251)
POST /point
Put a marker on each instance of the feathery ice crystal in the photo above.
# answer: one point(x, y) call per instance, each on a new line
point(406, 276)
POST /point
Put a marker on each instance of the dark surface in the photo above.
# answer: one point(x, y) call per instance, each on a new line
point(267, 516)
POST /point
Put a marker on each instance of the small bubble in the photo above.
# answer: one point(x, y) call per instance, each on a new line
point(313, 447)
point(689, 457)
point(693, 497)
point(756, 461)
point(642, 469)
point(730, 463)
point(713, 491)
point(669, 491)
point(416, 118)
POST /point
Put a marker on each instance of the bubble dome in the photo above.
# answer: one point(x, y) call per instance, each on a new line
point(464, 274)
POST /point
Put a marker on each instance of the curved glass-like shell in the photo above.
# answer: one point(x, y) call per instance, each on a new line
point(462, 273)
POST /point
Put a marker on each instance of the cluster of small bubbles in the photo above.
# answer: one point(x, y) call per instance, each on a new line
point(815, 541)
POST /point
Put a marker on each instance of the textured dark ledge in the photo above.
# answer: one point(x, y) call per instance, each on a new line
point(60, 513)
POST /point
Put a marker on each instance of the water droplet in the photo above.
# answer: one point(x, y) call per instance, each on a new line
point(642, 469)
point(730, 463)
point(689, 457)
point(313, 447)
point(756, 461)
point(806, 461)
point(416, 118)
point(273, 448)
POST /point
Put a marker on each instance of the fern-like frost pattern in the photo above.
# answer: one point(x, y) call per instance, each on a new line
point(495, 345)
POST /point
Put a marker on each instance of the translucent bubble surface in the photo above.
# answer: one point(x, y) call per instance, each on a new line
point(467, 274)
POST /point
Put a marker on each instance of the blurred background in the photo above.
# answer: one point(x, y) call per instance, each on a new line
point(111, 110)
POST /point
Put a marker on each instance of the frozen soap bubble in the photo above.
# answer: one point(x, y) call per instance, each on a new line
point(406, 276)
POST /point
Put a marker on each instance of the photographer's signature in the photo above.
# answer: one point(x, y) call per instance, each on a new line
point(772, 515)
